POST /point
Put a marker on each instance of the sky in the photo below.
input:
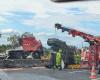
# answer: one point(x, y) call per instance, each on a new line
point(39, 17)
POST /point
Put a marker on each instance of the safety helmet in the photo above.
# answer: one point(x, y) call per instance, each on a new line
point(60, 50)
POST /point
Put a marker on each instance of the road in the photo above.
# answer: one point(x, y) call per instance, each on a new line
point(44, 74)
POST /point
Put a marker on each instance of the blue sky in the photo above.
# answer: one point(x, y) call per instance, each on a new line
point(39, 17)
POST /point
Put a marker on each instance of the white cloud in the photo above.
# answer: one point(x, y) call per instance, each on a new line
point(93, 7)
point(42, 7)
point(7, 30)
point(2, 19)
point(90, 7)
point(46, 8)
point(48, 13)
point(46, 34)
point(67, 20)
point(41, 34)
point(27, 5)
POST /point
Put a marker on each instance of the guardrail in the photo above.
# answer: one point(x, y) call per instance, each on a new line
point(22, 63)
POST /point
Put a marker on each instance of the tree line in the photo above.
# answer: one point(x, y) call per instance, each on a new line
point(3, 48)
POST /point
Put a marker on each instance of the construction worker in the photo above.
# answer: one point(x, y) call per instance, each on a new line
point(99, 64)
point(52, 61)
point(75, 61)
point(99, 67)
point(58, 59)
point(49, 56)
point(83, 53)
point(77, 58)
point(89, 59)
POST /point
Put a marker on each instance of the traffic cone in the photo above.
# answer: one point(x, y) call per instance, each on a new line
point(93, 73)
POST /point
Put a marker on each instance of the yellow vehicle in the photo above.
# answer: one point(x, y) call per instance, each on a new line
point(74, 66)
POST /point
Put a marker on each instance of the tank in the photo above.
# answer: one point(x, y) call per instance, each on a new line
point(68, 51)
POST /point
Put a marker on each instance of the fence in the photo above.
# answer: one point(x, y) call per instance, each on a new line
point(22, 63)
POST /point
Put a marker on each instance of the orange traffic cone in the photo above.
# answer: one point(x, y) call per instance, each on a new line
point(93, 73)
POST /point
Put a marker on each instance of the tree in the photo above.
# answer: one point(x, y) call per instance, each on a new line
point(14, 39)
point(3, 48)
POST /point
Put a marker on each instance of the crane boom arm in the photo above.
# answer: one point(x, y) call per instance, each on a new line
point(73, 32)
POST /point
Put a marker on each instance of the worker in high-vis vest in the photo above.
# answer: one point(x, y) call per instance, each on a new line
point(58, 59)
point(49, 56)
point(77, 58)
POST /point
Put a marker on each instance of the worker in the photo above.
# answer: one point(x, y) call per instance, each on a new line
point(58, 59)
point(52, 61)
point(77, 58)
point(49, 56)
point(89, 59)
point(83, 54)
point(99, 65)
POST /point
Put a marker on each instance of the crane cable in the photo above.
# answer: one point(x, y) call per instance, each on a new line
point(56, 33)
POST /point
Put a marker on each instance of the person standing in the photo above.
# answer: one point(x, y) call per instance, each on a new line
point(52, 61)
point(58, 59)
point(99, 65)
point(77, 57)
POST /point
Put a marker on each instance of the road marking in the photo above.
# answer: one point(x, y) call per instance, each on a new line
point(78, 71)
point(13, 69)
point(98, 78)
point(38, 68)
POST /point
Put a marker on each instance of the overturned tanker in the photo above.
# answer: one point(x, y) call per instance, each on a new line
point(30, 47)
point(68, 51)
point(29, 54)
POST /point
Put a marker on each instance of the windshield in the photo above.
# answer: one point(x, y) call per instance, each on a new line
point(49, 39)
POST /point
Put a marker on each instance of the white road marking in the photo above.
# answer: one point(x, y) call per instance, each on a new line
point(78, 71)
point(13, 69)
point(38, 68)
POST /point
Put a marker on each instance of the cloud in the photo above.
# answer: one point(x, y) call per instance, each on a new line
point(2, 19)
point(41, 8)
point(93, 7)
point(14, 16)
point(46, 34)
point(7, 30)
point(75, 11)
point(25, 5)
point(41, 34)
point(20, 15)
point(89, 7)
point(72, 21)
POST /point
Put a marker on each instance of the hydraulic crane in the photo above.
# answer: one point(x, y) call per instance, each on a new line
point(93, 41)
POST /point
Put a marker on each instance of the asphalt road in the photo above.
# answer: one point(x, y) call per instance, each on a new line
point(44, 74)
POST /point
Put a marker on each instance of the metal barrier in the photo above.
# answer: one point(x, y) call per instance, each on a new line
point(22, 63)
